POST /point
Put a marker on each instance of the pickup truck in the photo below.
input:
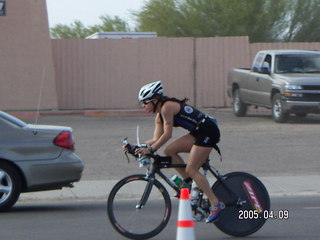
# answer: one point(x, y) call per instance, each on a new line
point(286, 81)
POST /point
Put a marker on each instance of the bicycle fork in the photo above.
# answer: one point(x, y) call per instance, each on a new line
point(145, 194)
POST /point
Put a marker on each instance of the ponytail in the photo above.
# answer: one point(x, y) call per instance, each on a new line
point(166, 98)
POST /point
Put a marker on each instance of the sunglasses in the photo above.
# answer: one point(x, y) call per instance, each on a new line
point(147, 101)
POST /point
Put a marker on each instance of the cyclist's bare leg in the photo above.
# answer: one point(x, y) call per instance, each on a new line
point(198, 155)
point(180, 145)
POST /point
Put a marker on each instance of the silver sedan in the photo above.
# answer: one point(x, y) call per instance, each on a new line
point(34, 158)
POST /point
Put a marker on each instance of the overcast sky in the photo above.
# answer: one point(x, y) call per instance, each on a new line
point(89, 11)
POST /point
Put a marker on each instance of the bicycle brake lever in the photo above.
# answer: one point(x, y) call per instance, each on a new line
point(127, 157)
point(126, 144)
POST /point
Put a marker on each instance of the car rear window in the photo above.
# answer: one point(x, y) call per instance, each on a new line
point(11, 120)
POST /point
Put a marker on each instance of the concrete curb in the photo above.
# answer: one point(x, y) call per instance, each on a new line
point(284, 186)
point(292, 185)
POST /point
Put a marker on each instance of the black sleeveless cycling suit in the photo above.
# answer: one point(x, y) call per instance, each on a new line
point(200, 125)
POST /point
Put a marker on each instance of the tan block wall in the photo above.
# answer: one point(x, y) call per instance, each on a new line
point(109, 73)
point(25, 56)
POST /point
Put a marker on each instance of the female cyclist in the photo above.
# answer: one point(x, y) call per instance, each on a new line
point(203, 136)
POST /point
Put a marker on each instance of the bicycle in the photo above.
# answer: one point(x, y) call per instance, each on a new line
point(139, 206)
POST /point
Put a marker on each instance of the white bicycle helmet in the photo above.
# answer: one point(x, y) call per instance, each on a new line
point(150, 90)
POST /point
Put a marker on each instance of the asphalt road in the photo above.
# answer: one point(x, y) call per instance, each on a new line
point(88, 220)
point(254, 144)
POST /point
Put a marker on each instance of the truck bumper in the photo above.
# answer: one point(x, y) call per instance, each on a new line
point(301, 107)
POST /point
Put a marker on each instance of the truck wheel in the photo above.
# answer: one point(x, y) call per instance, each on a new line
point(239, 107)
point(278, 112)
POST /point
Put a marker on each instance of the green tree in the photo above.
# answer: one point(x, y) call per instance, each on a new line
point(303, 21)
point(161, 16)
point(78, 30)
point(258, 19)
point(261, 20)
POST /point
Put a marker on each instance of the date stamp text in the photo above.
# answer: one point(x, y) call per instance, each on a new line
point(272, 214)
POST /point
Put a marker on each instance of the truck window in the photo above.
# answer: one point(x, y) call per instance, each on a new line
point(267, 62)
point(257, 62)
point(308, 63)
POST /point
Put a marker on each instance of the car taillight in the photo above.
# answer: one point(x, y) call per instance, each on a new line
point(65, 140)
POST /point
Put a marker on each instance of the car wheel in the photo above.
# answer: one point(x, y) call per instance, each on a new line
point(239, 107)
point(278, 112)
point(10, 186)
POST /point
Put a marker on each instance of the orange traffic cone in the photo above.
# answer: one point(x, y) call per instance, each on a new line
point(185, 223)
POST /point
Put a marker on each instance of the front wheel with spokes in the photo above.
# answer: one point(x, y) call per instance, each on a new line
point(138, 207)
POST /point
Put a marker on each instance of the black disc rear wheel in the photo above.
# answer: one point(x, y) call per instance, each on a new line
point(246, 200)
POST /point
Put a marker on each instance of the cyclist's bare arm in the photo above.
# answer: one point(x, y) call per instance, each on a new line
point(158, 131)
point(168, 110)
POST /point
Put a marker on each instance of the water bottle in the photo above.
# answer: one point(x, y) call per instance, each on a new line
point(179, 182)
point(195, 191)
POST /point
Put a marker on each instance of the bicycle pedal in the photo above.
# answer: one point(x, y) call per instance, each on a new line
point(198, 218)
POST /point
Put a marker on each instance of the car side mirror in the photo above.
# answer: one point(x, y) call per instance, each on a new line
point(264, 70)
